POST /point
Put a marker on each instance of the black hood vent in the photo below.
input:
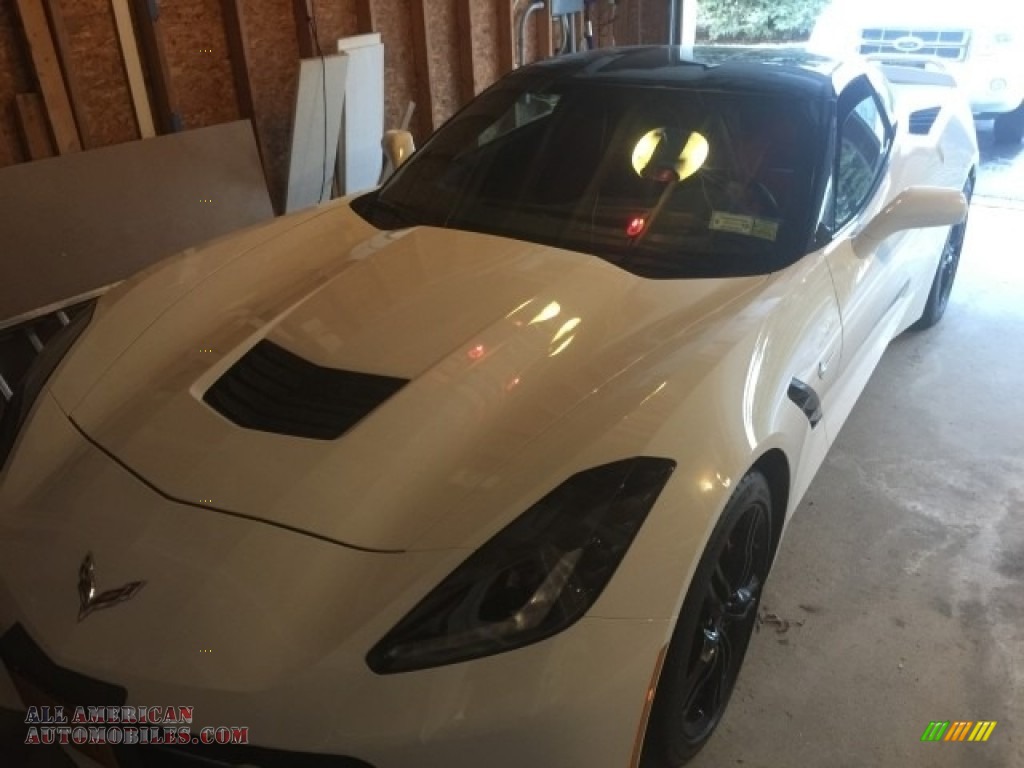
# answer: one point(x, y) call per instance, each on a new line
point(273, 390)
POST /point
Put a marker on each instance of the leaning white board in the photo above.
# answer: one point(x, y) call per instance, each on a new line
point(318, 108)
point(359, 153)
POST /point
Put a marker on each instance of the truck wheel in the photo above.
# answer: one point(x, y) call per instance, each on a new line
point(1009, 127)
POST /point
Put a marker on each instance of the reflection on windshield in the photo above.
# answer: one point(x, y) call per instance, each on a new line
point(664, 182)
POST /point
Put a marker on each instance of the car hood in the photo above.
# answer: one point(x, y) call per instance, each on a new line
point(495, 339)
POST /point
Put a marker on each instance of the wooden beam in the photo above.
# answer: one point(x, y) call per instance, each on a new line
point(47, 69)
point(238, 53)
point(506, 37)
point(366, 19)
point(304, 29)
point(544, 44)
point(71, 74)
point(241, 69)
point(421, 63)
point(133, 68)
point(467, 66)
point(154, 51)
point(32, 124)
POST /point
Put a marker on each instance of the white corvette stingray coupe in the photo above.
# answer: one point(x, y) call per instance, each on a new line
point(486, 467)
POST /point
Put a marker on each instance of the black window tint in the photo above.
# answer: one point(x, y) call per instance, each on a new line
point(864, 137)
point(664, 182)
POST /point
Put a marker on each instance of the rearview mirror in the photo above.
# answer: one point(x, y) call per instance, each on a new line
point(397, 146)
point(913, 208)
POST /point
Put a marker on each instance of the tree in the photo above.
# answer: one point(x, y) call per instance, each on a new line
point(758, 20)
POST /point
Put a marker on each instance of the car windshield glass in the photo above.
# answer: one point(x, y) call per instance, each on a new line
point(664, 182)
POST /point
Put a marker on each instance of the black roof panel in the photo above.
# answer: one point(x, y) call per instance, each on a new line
point(744, 69)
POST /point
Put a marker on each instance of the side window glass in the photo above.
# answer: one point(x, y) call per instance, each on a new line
point(863, 143)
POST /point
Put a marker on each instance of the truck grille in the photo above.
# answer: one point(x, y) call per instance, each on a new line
point(946, 44)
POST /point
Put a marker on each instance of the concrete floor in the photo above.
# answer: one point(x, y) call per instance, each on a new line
point(902, 573)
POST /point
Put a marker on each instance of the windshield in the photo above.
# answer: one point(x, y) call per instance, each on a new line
point(664, 182)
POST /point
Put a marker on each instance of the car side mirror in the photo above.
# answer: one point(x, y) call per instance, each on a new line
point(913, 208)
point(397, 146)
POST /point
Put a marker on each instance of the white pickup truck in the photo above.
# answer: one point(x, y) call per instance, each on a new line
point(980, 43)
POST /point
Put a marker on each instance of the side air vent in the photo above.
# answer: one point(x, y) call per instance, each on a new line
point(21, 345)
point(922, 120)
point(273, 390)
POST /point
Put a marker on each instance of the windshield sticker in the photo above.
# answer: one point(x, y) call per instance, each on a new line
point(765, 229)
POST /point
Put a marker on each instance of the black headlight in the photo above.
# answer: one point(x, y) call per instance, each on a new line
point(533, 579)
point(28, 387)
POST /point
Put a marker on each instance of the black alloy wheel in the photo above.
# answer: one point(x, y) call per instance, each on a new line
point(945, 273)
point(714, 629)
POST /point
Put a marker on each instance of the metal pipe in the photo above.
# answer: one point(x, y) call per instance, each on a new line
point(521, 32)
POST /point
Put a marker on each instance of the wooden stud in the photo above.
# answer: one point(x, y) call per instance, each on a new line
point(544, 44)
point(147, 15)
point(47, 69)
point(506, 37)
point(366, 19)
point(71, 74)
point(238, 53)
point(421, 60)
point(467, 66)
point(32, 124)
point(303, 28)
point(133, 68)
point(241, 69)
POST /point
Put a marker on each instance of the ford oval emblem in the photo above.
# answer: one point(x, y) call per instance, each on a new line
point(908, 44)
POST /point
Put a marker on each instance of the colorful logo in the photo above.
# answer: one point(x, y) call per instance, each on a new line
point(958, 730)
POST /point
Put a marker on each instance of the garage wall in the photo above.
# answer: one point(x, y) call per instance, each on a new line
point(207, 62)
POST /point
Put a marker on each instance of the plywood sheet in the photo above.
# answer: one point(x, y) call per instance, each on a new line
point(395, 26)
point(506, 36)
point(315, 130)
point(334, 19)
point(77, 223)
point(443, 43)
point(199, 61)
point(484, 18)
point(92, 51)
point(15, 78)
point(467, 66)
point(274, 75)
point(362, 125)
point(423, 124)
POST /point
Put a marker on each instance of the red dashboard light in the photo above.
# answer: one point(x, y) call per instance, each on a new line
point(636, 226)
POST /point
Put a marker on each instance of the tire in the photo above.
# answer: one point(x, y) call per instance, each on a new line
point(1009, 127)
point(945, 272)
point(713, 631)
